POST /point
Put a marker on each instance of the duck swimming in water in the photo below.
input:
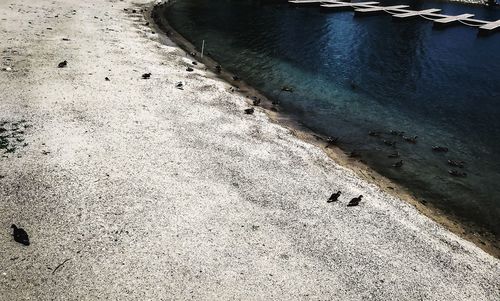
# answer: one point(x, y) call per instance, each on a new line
point(398, 164)
point(396, 133)
point(20, 235)
point(390, 143)
point(355, 201)
point(440, 149)
point(457, 173)
point(334, 197)
point(332, 140)
point(394, 155)
point(354, 154)
point(454, 163)
point(374, 134)
point(410, 139)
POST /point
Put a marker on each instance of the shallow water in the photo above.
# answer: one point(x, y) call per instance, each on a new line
point(440, 85)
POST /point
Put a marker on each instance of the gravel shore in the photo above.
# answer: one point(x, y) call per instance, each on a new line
point(134, 189)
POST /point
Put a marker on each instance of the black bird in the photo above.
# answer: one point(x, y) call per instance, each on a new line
point(146, 75)
point(179, 85)
point(195, 63)
point(396, 133)
point(456, 163)
point(457, 173)
point(236, 78)
point(107, 79)
point(256, 102)
point(287, 89)
point(334, 197)
point(354, 154)
point(62, 64)
point(218, 68)
point(390, 143)
point(332, 140)
point(374, 133)
point(398, 164)
point(20, 235)
point(189, 69)
point(394, 155)
point(440, 149)
point(249, 111)
point(410, 139)
point(355, 201)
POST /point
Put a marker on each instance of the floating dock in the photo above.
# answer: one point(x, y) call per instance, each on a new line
point(401, 12)
point(415, 14)
point(346, 6)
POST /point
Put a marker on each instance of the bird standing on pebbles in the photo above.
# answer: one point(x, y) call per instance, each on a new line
point(355, 201)
point(62, 64)
point(20, 235)
point(334, 197)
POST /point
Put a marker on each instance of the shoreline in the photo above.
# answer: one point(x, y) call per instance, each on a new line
point(475, 234)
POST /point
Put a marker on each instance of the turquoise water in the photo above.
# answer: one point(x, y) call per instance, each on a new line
point(352, 75)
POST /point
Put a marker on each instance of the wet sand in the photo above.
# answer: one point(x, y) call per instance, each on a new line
point(133, 189)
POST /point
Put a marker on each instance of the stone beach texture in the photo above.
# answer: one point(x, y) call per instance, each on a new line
point(133, 189)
